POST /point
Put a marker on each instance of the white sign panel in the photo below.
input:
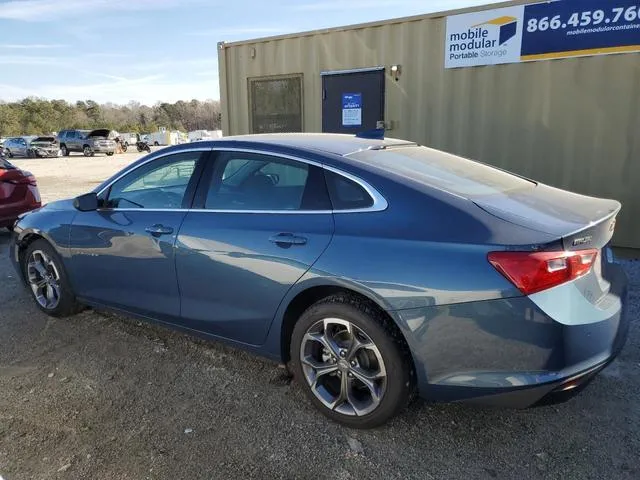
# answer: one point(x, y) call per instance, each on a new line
point(484, 38)
point(351, 109)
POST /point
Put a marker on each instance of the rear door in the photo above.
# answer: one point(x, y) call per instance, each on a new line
point(262, 221)
point(353, 101)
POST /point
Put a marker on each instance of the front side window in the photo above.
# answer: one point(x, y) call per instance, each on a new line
point(246, 181)
point(161, 183)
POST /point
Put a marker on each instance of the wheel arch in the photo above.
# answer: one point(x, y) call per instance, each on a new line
point(314, 291)
point(24, 240)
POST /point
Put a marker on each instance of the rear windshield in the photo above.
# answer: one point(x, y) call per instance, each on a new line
point(5, 165)
point(444, 171)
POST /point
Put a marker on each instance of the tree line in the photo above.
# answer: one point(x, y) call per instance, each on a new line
point(36, 116)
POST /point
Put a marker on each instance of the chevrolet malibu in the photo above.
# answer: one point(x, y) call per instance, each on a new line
point(372, 267)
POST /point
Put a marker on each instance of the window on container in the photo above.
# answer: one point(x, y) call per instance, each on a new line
point(276, 104)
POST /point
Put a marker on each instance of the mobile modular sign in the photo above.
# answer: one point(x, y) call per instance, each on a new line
point(542, 31)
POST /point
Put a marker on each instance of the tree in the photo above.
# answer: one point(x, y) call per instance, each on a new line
point(39, 116)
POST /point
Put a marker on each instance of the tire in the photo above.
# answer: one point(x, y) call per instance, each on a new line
point(383, 361)
point(109, 154)
point(64, 150)
point(30, 153)
point(86, 150)
point(148, 149)
point(156, 144)
point(64, 303)
point(9, 154)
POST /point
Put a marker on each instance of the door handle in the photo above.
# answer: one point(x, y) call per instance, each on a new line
point(158, 229)
point(287, 239)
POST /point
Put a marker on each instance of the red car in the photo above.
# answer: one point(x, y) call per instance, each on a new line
point(18, 193)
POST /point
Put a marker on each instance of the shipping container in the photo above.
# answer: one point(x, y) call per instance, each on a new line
point(573, 123)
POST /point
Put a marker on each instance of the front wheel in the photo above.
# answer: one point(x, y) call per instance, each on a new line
point(9, 154)
point(64, 151)
point(86, 150)
point(349, 360)
point(47, 280)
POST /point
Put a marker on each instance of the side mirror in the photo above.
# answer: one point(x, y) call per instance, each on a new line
point(87, 202)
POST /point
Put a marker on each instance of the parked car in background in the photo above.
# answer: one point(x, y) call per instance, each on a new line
point(89, 142)
point(31, 146)
point(17, 146)
point(372, 267)
point(18, 193)
point(42, 147)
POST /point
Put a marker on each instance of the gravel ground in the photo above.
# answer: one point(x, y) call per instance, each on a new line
point(100, 396)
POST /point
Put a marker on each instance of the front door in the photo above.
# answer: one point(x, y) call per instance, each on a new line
point(352, 102)
point(262, 222)
point(122, 255)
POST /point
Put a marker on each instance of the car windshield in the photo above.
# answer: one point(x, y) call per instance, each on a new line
point(444, 171)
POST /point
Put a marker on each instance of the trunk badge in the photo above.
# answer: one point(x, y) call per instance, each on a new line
point(582, 240)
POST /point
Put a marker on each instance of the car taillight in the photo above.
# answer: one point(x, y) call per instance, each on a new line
point(533, 272)
point(29, 180)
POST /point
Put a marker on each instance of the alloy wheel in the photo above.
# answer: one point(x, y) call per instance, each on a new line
point(44, 279)
point(343, 367)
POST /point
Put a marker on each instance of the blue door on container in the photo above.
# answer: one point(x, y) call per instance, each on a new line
point(123, 254)
point(353, 102)
point(263, 221)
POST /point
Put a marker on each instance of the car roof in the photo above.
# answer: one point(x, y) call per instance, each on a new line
point(337, 144)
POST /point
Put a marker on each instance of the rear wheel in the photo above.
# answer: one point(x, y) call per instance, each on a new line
point(64, 151)
point(109, 154)
point(350, 362)
point(47, 280)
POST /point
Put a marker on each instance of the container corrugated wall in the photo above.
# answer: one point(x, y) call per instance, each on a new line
point(572, 123)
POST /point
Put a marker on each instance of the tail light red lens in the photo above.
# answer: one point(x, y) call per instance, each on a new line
point(28, 180)
point(533, 272)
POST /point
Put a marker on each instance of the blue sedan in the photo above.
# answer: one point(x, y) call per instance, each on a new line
point(374, 268)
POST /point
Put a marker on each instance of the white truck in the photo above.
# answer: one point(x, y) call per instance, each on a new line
point(164, 137)
point(199, 135)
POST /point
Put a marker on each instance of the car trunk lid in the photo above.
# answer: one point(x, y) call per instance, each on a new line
point(580, 221)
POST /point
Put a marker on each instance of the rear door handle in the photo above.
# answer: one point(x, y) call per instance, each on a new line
point(287, 239)
point(159, 230)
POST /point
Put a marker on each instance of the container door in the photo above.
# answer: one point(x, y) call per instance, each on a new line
point(352, 101)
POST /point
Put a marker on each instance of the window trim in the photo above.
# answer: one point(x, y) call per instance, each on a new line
point(379, 202)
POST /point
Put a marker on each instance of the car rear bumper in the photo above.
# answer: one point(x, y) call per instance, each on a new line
point(103, 149)
point(509, 352)
point(9, 213)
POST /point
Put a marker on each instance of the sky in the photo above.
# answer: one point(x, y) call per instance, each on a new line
point(155, 50)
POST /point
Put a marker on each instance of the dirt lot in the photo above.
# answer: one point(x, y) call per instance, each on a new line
point(100, 396)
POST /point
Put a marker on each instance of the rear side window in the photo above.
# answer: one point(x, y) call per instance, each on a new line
point(345, 193)
point(445, 171)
